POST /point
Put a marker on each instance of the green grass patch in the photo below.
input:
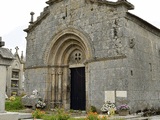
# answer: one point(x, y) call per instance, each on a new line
point(14, 105)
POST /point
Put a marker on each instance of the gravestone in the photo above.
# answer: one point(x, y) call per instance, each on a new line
point(6, 58)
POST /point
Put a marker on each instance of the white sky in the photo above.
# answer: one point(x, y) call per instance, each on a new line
point(15, 17)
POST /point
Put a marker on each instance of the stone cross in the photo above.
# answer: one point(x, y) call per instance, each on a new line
point(1, 42)
point(16, 49)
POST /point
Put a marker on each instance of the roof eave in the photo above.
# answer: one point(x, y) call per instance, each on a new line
point(141, 22)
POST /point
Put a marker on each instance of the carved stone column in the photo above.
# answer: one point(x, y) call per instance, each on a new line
point(59, 86)
point(53, 86)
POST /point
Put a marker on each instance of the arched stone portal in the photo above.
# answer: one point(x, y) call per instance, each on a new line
point(68, 49)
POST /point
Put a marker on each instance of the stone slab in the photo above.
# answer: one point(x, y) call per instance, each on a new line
point(8, 116)
point(24, 115)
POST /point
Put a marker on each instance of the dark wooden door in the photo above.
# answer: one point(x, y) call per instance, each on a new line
point(78, 95)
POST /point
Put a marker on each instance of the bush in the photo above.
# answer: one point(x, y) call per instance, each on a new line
point(93, 109)
point(14, 104)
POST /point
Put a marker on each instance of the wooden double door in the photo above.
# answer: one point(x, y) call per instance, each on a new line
point(78, 89)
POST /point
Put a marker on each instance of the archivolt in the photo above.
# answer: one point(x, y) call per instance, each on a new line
point(64, 43)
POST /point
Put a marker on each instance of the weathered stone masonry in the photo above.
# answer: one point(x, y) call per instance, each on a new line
point(120, 52)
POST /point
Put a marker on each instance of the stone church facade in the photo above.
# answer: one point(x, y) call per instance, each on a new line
point(82, 53)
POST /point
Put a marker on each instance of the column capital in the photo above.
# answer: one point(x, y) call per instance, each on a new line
point(53, 71)
point(59, 72)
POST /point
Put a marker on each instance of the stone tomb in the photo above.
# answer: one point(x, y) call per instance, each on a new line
point(6, 58)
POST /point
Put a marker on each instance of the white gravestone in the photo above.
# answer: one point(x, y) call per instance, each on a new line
point(121, 94)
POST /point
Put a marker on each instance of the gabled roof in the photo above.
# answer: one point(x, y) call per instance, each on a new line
point(129, 16)
point(6, 53)
point(46, 11)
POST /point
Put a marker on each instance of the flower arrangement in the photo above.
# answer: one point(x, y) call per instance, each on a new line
point(108, 106)
point(123, 107)
point(38, 114)
point(40, 104)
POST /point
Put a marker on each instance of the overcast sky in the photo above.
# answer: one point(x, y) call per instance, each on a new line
point(15, 17)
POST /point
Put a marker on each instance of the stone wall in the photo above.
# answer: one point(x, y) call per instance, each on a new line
point(108, 75)
point(143, 61)
point(37, 79)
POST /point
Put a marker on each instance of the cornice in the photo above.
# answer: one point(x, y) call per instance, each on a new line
point(50, 2)
point(119, 2)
